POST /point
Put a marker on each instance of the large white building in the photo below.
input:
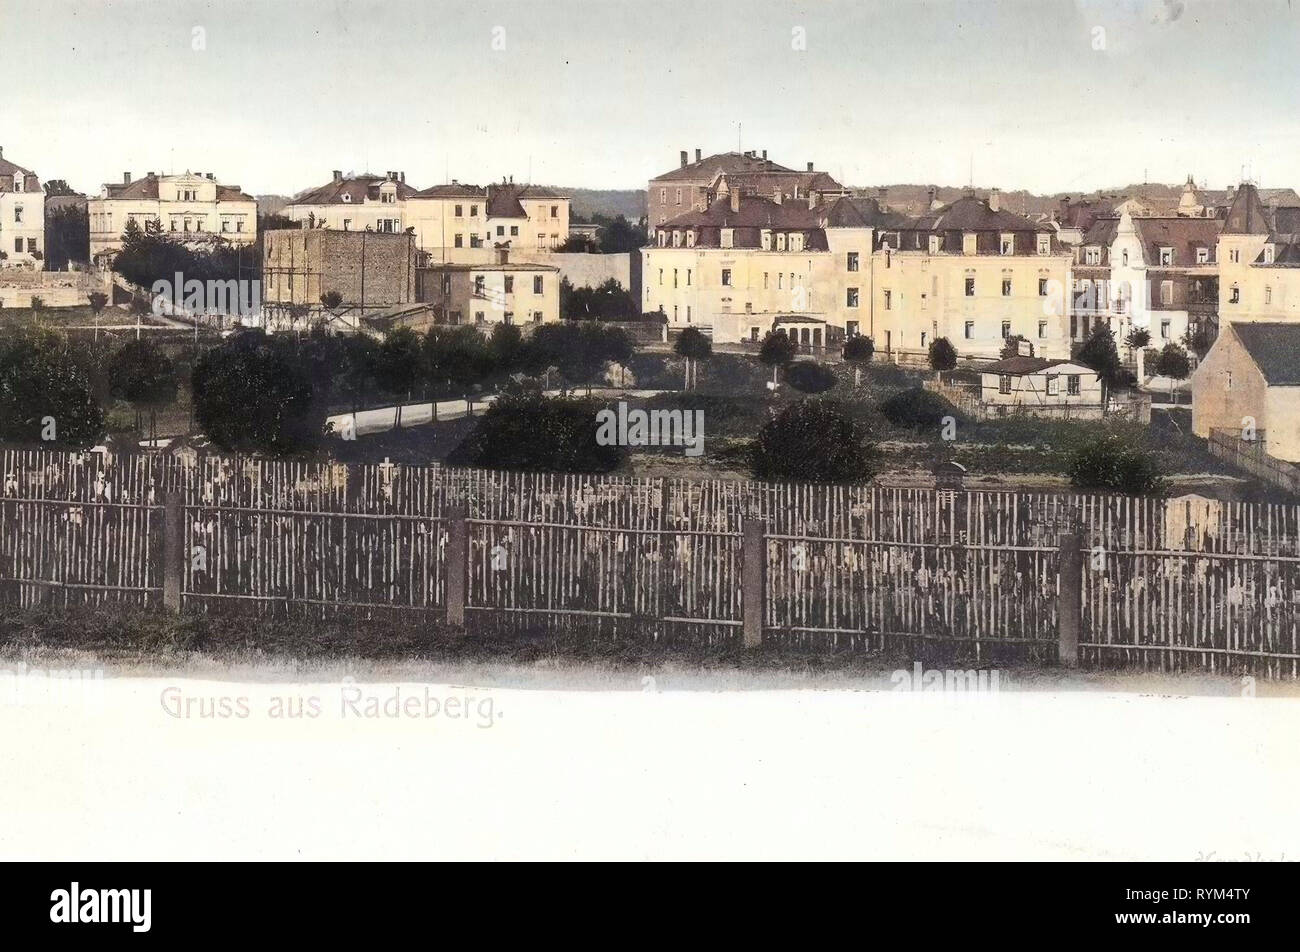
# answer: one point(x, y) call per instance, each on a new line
point(192, 206)
point(22, 217)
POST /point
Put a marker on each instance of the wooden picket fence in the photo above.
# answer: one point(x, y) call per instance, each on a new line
point(1187, 584)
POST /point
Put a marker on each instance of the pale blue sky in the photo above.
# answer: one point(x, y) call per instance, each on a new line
point(605, 93)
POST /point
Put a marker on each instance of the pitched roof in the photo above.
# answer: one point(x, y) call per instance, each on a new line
point(454, 190)
point(357, 187)
point(1275, 349)
point(1184, 235)
point(1101, 232)
point(1020, 365)
point(19, 173)
point(141, 188)
point(1247, 214)
point(707, 169)
point(972, 214)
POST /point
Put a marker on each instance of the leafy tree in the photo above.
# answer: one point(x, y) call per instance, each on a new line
point(331, 300)
point(540, 434)
point(400, 365)
point(815, 441)
point(1011, 346)
point(1199, 341)
point(506, 343)
point(356, 368)
point(608, 302)
point(55, 188)
point(1101, 355)
point(693, 346)
point(252, 393)
point(917, 409)
point(67, 234)
point(98, 301)
point(859, 350)
point(38, 304)
point(1173, 363)
point(1138, 338)
point(580, 350)
point(777, 350)
point(457, 357)
point(44, 392)
point(620, 236)
point(943, 356)
point(809, 377)
point(1112, 464)
point(144, 377)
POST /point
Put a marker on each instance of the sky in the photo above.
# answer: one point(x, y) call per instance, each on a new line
point(271, 95)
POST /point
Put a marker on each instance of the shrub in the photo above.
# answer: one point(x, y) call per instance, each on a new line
point(859, 349)
point(943, 356)
point(813, 441)
point(1113, 464)
point(917, 409)
point(538, 433)
point(809, 377)
point(777, 349)
point(39, 379)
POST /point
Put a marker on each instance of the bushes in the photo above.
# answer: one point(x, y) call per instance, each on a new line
point(533, 432)
point(1113, 464)
point(45, 395)
point(813, 441)
point(808, 377)
point(917, 409)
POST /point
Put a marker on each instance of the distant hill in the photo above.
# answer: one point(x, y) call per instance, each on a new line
point(912, 199)
point(630, 203)
point(271, 204)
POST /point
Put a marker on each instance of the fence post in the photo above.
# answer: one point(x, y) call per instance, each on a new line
point(1070, 609)
point(457, 564)
point(173, 550)
point(752, 570)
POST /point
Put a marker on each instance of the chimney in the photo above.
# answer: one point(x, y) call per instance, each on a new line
point(735, 199)
point(765, 155)
point(697, 155)
point(454, 182)
point(995, 200)
point(338, 176)
point(126, 178)
point(212, 176)
point(810, 166)
point(503, 256)
point(2, 152)
point(401, 177)
point(931, 193)
point(683, 158)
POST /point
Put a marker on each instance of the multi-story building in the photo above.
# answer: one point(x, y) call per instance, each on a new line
point(968, 271)
point(451, 221)
point(500, 291)
point(189, 207)
point(355, 203)
point(695, 186)
point(369, 271)
point(1259, 260)
point(22, 217)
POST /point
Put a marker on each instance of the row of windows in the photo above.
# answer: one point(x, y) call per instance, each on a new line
point(480, 284)
point(481, 318)
point(1053, 384)
point(18, 245)
point(968, 331)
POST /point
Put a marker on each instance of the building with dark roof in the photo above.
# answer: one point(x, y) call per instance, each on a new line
point(192, 207)
point(365, 202)
point(22, 217)
point(1259, 260)
point(1249, 384)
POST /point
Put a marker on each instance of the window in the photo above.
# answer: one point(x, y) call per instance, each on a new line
point(1006, 287)
point(968, 244)
point(1092, 255)
point(934, 244)
point(479, 317)
point(679, 196)
point(1004, 383)
point(970, 330)
point(537, 284)
point(852, 262)
point(346, 198)
point(688, 277)
point(501, 233)
point(537, 317)
point(1268, 295)
point(514, 231)
point(473, 211)
point(510, 317)
point(766, 240)
point(1268, 254)
point(1234, 256)
point(509, 284)
point(479, 281)
point(726, 277)
point(460, 211)
point(459, 241)
point(1166, 292)
point(1166, 256)
point(1124, 257)
point(31, 245)
point(1202, 255)
point(663, 196)
point(970, 287)
point(850, 328)
point(1164, 330)
point(1006, 329)
point(1234, 295)
point(225, 224)
point(1042, 329)
point(347, 224)
point(780, 242)
point(555, 210)
point(18, 214)
point(1042, 287)
point(1227, 380)
point(1044, 244)
point(1007, 244)
point(765, 280)
point(1053, 384)
point(726, 237)
point(1072, 385)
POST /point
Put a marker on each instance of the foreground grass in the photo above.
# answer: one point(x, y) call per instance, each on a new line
point(131, 642)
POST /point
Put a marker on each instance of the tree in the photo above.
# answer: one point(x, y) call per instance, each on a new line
point(540, 434)
point(1100, 354)
point(38, 304)
point(399, 366)
point(776, 351)
point(45, 395)
point(1138, 338)
point(858, 350)
point(620, 236)
point(457, 357)
point(98, 301)
point(331, 300)
point(809, 377)
point(506, 343)
point(1199, 341)
point(1113, 464)
point(1173, 362)
point(580, 350)
point(67, 234)
point(144, 377)
point(814, 441)
point(692, 345)
point(943, 356)
point(608, 302)
point(1011, 346)
point(252, 393)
